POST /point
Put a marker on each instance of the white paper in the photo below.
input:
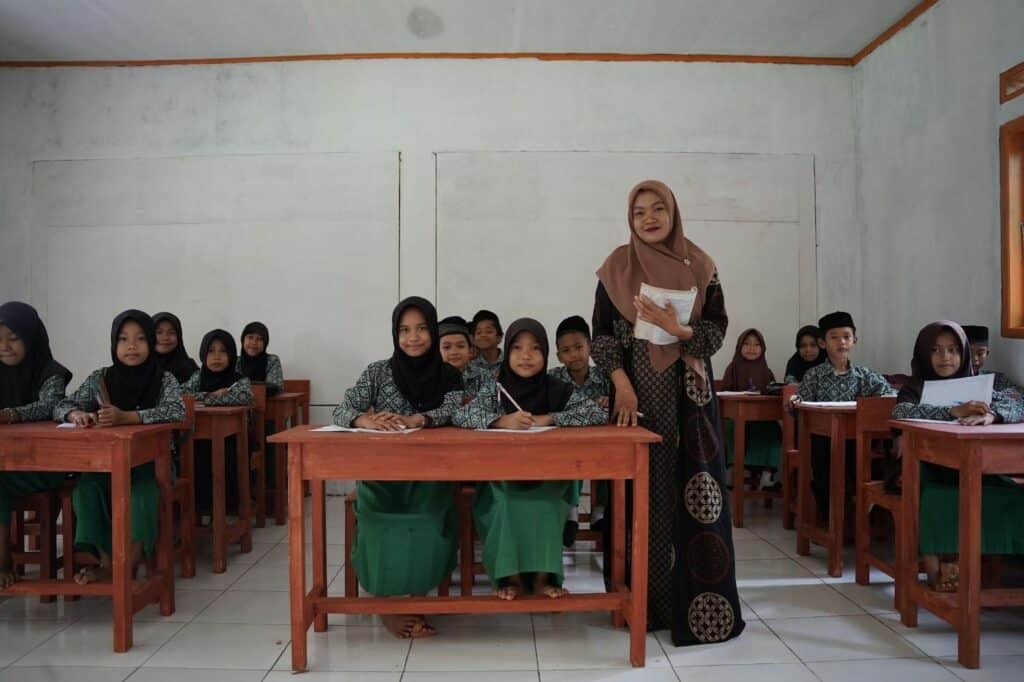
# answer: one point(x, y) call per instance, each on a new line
point(845, 403)
point(931, 421)
point(532, 429)
point(345, 429)
point(737, 393)
point(952, 392)
point(67, 425)
point(681, 300)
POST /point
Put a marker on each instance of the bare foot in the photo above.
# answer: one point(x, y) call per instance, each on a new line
point(401, 626)
point(7, 577)
point(543, 588)
point(508, 592)
point(422, 629)
point(94, 574)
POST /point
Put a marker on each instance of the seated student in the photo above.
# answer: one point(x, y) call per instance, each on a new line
point(941, 352)
point(406, 535)
point(455, 350)
point(487, 336)
point(217, 384)
point(32, 383)
point(838, 380)
point(139, 392)
point(170, 347)
point(572, 343)
point(749, 371)
point(978, 337)
point(521, 523)
point(810, 352)
point(256, 363)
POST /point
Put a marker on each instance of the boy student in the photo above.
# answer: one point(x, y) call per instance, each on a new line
point(487, 336)
point(978, 338)
point(572, 343)
point(838, 380)
point(456, 348)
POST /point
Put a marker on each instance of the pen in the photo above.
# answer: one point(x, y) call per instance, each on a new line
point(510, 398)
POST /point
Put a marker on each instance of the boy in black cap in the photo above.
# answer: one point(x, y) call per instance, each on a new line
point(572, 341)
point(487, 336)
point(838, 380)
point(454, 337)
point(978, 337)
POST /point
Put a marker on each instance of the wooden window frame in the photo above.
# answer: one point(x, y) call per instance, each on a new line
point(1011, 83)
point(1011, 180)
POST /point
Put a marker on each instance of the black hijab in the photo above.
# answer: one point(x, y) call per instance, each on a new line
point(425, 380)
point(797, 366)
point(134, 388)
point(539, 394)
point(214, 381)
point(19, 385)
point(255, 367)
point(177, 362)
point(921, 369)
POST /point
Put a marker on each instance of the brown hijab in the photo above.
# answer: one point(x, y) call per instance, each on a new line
point(743, 374)
point(676, 263)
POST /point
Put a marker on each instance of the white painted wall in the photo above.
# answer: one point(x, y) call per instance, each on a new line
point(421, 107)
point(928, 175)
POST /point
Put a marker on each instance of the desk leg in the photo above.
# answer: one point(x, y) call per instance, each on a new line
point(220, 561)
point(638, 583)
point(739, 462)
point(244, 491)
point(618, 542)
point(280, 486)
point(969, 616)
point(863, 527)
point(165, 539)
point(804, 503)
point(188, 471)
point(297, 558)
point(837, 499)
point(319, 550)
point(910, 535)
point(121, 541)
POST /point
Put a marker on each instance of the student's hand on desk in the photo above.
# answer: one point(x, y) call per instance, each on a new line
point(381, 421)
point(415, 421)
point(978, 420)
point(80, 418)
point(626, 409)
point(113, 416)
point(973, 408)
point(665, 318)
point(517, 420)
point(604, 402)
point(7, 416)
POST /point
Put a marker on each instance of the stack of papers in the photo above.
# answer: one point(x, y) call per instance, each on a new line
point(953, 392)
point(682, 301)
point(345, 429)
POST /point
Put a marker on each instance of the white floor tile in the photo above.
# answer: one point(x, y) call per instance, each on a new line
point(581, 646)
point(196, 675)
point(29, 608)
point(206, 579)
point(798, 601)
point(204, 553)
point(756, 549)
point(250, 608)
point(993, 668)
point(238, 647)
point(286, 676)
point(937, 638)
point(616, 675)
point(18, 638)
point(68, 674)
point(273, 576)
point(772, 672)
point(841, 638)
point(471, 676)
point(88, 644)
point(772, 572)
point(878, 597)
point(479, 648)
point(885, 670)
point(187, 605)
point(351, 649)
point(757, 645)
point(280, 554)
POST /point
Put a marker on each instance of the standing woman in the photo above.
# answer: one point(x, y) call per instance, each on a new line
point(692, 588)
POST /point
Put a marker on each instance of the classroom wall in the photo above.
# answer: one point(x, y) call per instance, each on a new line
point(927, 120)
point(424, 106)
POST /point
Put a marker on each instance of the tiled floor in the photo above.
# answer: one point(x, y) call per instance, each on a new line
point(801, 625)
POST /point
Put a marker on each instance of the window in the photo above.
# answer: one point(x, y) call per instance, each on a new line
point(1011, 150)
point(1011, 83)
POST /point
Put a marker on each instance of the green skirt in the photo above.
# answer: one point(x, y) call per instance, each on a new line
point(521, 525)
point(1002, 513)
point(406, 536)
point(764, 444)
point(15, 484)
point(94, 510)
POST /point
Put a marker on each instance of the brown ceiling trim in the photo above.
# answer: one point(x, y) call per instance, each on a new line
point(908, 18)
point(542, 56)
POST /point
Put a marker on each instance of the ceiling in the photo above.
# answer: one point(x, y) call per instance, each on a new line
point(89, 30)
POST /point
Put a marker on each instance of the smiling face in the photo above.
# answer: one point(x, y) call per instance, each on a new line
point(12, 348)
point(946, 354)
point(132, 345)
point(809, 348)
point(253, 345)
point(217, 358)
point(979, 354)
point(751, 348)
point(652, 221)
point(839, 343)
point(526, 356)
point(413, 333)
point(455, 350)
point(166, 337)
point(574, 351)
point(485, 335)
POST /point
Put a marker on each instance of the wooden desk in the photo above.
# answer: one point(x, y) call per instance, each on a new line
point(840, 424)
point(743, 408)
point(281, 408)
point(41, 446)
point(973, 451)
point(215, 424)
point(450, 454)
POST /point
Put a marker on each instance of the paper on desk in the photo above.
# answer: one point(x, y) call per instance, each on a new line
point(737, 393)
point(682, 301)
point(532, 429)
point(931, 421)
point(840, 403)
point(67, 425)
point(346, 429)
point(952, 392)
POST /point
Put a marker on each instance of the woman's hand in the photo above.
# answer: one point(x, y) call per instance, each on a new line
point(973, 408)
point(665, 318)
point(81, 418)
point(380, 421)
point(625, 410)
point(520, 421)
point(108, 415)
point(979, 420)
